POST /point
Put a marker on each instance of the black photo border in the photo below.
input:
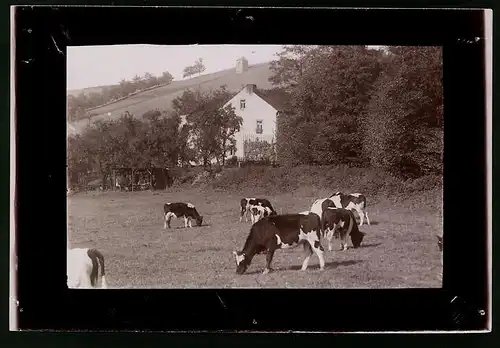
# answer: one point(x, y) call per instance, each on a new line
point(45, 303)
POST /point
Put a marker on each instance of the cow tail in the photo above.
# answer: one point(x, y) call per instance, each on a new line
point(94, 255)
point(103, 272)
point(364, 202)
point(93, 273)
point(351, 222)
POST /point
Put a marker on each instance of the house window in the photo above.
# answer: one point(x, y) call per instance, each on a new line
point(259, 127)
point(242, 104)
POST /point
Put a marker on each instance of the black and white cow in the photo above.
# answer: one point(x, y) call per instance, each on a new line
point(178, 210)
point(352, 201)
point(342, 222)
point(258, 212)
point(246, 205)
point(281, 232)
point(83, 268)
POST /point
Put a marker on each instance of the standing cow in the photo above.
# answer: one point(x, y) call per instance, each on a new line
point(178, 210)
point(246, 205)
point(352, 201)
point(281, 232)
point(342, 222)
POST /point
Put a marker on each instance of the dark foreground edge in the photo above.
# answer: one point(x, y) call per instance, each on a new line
point(46, 303)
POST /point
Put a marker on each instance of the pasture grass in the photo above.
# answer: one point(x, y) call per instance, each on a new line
point(399, 250)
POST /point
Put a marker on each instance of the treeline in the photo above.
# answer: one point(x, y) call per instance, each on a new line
point(78, 105)
point(362, 107)
point(159, 138)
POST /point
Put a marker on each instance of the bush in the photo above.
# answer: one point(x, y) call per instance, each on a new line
point(332, 178)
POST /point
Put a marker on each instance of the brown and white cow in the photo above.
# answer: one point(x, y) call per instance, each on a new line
point(246, 205)
point(178, 210)
point(280, 232)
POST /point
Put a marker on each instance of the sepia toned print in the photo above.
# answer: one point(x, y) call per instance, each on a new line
point(237, 166)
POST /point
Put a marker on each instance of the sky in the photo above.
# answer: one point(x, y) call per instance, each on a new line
point(91, 66)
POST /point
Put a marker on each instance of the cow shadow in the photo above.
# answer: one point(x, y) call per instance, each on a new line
point(369, 245)
point(328, 265)
point(187, 228)
point(372, 223)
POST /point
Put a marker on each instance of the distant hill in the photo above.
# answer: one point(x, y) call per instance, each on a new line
point(88, 90)
point(161, 97)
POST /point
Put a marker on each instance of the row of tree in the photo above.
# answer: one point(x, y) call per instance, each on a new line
point(350, 104)
point(78, 105)
point(197, 68)
point(160, 138)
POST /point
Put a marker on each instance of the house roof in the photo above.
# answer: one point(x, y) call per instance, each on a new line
point(276, 100)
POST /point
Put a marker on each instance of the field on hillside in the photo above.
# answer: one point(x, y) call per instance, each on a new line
point(161, 97)
point(399, 250)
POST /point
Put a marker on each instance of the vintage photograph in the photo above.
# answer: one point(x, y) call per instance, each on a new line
point(254, 166)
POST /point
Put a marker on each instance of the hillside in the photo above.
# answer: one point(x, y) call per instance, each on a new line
point(88, 90)
point(161, 97)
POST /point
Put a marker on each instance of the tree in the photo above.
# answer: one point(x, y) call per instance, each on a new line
point(188, 71)
point(199, 67)
point(166, 78)
point(404, 130)
point(330, 88)
point(291, 63)
point(212, 126)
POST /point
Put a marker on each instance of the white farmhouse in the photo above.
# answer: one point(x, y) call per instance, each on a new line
point(259, 112)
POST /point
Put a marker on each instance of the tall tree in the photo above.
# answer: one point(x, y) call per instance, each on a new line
point(330, 92)
point(404, 130)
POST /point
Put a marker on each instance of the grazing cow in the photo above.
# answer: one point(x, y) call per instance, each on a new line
point(352, 201)
point(258, 212)
point(247, 204)
point(178, 210)
point(281, 232)
point(83, 268)
point(342, 222)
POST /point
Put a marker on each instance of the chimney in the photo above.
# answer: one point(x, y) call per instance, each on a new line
point(241, 65)
point(251, 89)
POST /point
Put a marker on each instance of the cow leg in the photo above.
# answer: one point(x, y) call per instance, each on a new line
point(329, 235)
point(361, 215)
point(269, 258)
point(190, 222)
point(318, 249)
point(343, 241)
point(307, 252)
point(185, 222)
point(242, 212)
point(168, 217)
point(367, 219)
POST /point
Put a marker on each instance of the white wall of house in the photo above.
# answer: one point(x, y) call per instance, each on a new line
point(254, 111)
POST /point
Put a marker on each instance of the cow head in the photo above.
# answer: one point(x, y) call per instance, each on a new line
point(357, 238)
point(241, 262)
point(199, 220)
